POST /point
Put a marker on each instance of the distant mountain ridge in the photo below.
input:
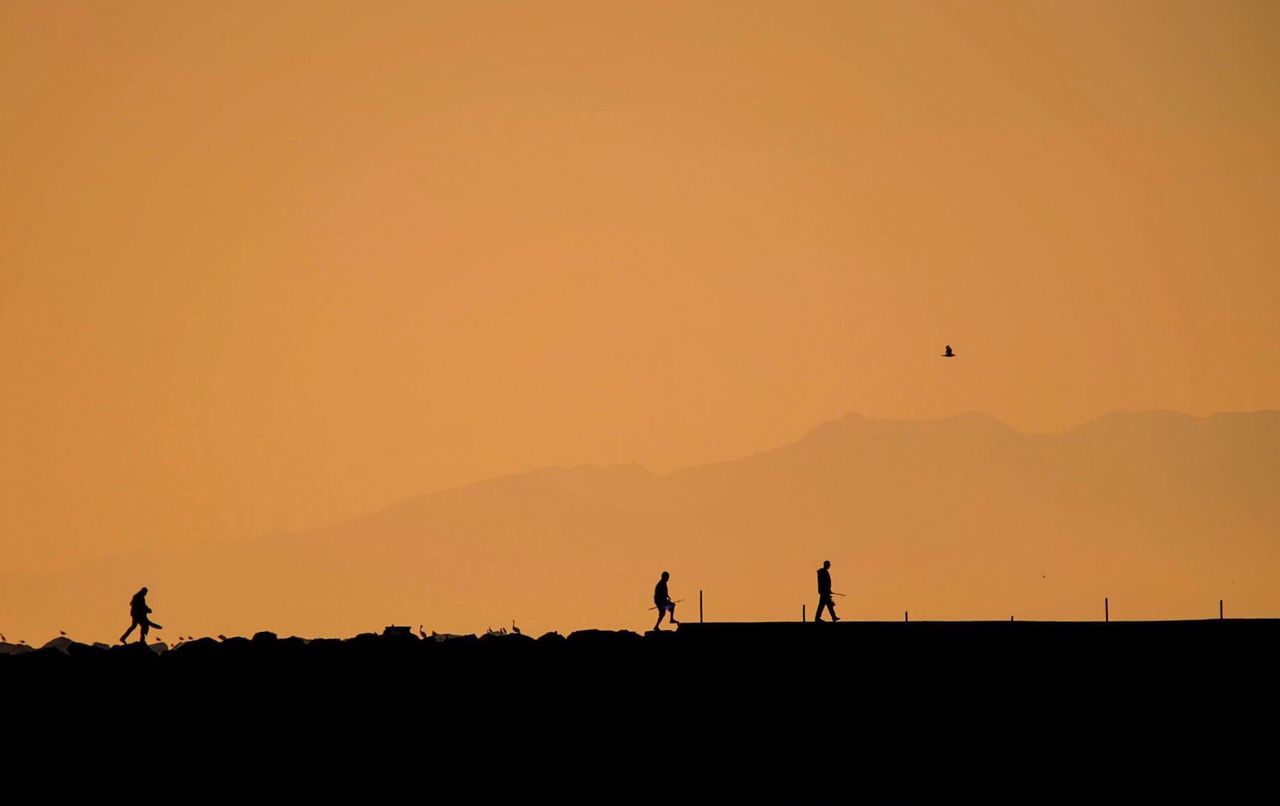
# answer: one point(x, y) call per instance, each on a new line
point(962, 517)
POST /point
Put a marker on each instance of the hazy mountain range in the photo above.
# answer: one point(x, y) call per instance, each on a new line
point(956, 518)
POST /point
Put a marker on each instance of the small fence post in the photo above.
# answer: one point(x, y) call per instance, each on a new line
point(1106, 609)
point(699, 605)
point(1219, 610)
point(906, 616)
point(803, 617)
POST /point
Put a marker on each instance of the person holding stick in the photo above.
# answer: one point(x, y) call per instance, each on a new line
point(662, 601)
point(824, 593)
point(138, 610)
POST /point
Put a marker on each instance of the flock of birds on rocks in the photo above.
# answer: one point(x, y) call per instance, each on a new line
point(435, 636)
point(444, 636)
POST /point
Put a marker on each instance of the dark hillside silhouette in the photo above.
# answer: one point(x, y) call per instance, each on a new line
point(955, 518)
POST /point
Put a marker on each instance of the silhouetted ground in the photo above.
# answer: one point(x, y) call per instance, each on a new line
point(886, 712)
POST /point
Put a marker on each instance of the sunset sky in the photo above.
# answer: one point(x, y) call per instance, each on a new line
point(267, 266)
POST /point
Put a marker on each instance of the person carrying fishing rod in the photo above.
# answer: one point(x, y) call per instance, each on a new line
point(662, 601)
point(824, 593)
point(140, 613)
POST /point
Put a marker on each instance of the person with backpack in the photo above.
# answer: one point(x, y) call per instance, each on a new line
point(139, 611)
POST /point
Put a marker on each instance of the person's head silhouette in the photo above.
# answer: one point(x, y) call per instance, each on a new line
point(665, 576)
point(143, 591)
point(826, 563)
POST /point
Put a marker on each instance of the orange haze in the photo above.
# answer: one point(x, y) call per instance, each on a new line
point(269, 266)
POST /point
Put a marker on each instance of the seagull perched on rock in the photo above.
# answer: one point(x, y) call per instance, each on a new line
point(948, 353)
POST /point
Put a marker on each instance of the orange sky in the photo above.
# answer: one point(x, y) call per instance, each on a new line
point(270, 265)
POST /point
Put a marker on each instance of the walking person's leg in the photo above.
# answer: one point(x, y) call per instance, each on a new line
point(124, 639)
point(672, 608)
point(662, 611)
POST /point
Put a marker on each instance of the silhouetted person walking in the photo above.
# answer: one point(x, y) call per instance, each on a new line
point(824, 593)
point(138, 610)
point(662, 601)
